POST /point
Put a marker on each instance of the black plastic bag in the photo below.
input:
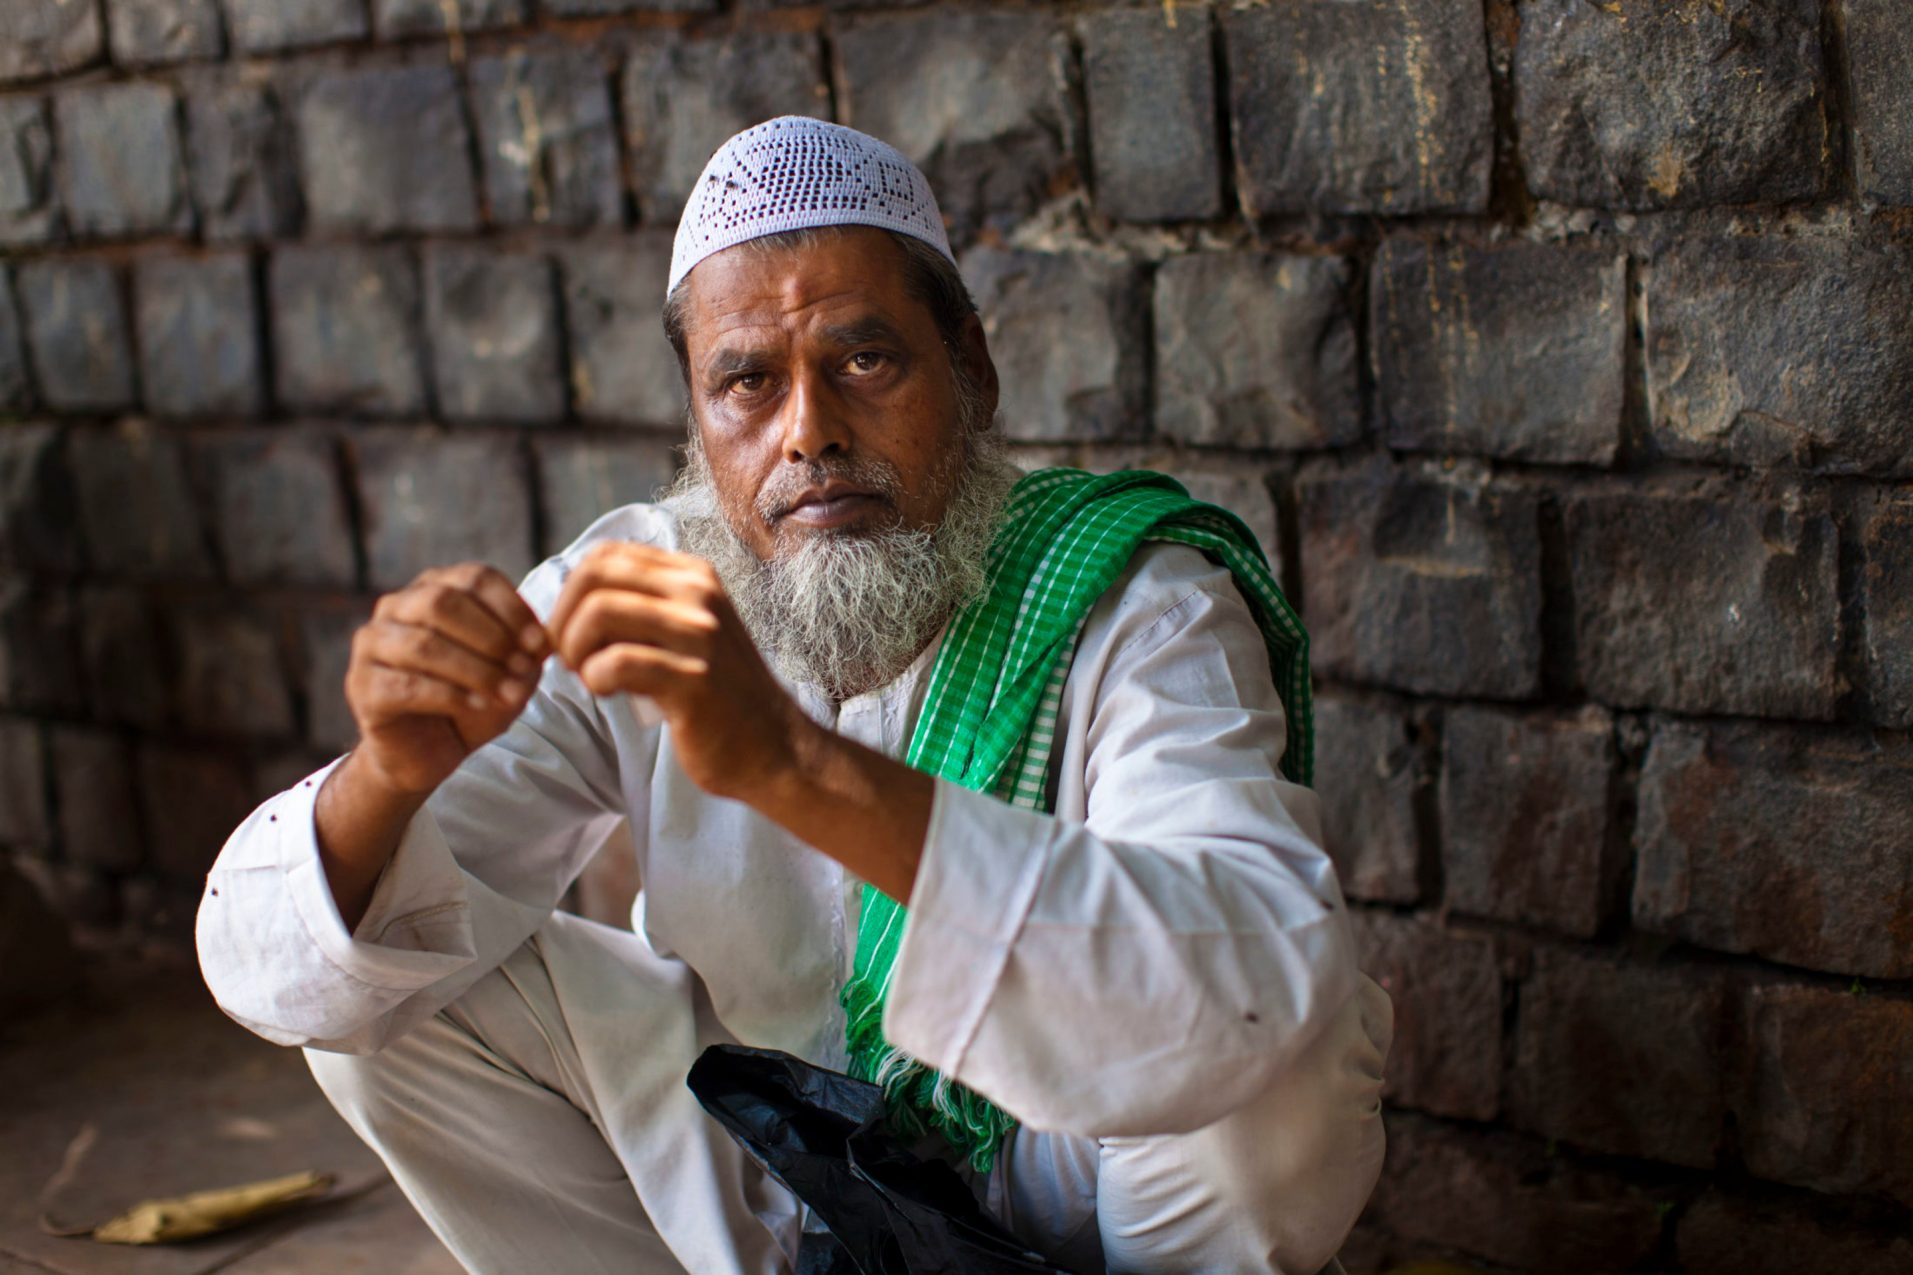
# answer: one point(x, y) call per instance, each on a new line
point(822, 1134)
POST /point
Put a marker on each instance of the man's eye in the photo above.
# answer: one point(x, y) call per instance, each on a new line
point(748, 383)
point(864, 362)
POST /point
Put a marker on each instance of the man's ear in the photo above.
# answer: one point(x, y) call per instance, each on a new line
point(975, 354)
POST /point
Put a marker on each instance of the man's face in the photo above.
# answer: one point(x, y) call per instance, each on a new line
point(814, 376)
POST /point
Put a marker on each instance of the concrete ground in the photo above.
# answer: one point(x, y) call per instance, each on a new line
point(180, 1099)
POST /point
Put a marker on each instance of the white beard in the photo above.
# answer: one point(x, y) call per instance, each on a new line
point(850, 611)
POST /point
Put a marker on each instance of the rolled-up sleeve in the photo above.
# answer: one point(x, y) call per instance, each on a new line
point(1152, 965)
point(477, 870)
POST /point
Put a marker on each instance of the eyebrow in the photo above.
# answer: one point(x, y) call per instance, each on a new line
point(735, 362)
point(871, 330)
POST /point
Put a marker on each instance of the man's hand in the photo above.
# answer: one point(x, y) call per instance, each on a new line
point(646, 621)
point(444, 665)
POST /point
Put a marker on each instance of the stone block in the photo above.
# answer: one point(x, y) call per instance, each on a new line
point(1504, 1199)
point(37, 965)
point(1770, 351)
point(16, 387)
point(384, 149)
point(1255, 350)
point(126, 657)
point(1446, 1057)
point(1368, 770)
point(121, 169)
point(1706, 601)
point(25, 822)
point(150, 32)
point(582, 479)
point(1374, 107)
point(547, 140)
point(622, 370)
point(84, 900)
point(272, 26)
point(976, 99)
point(99, 813)
point(684, 98)
point(1525, 820)
point(1879, 50)
point(232, 674)
point(394, 18)
point(1152, 115)
point(39, 525)
point(1787, 844)
point(198, 324)
point(346, 330)
point(28, 199)
point(493, 322)
point(76, 334)
point(1645, 104)
point(137, 503)
point(278, 507)
point(244, 177)
point(431, 501)
point(193, 799)
point(1763, 1236)
point(1829, 1103)
point(1618, 1058)
point(1886, 606)
point(38, 669)
point(1515, 351)
point(49, 37)
point(1425, 582)
point(1068, 334)
point(325, 650)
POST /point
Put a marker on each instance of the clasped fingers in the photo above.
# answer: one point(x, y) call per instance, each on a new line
point(422, 652)
point(609, 616)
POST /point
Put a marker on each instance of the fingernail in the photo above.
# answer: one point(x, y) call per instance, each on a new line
point(477, 701)
point(522, 664)
point(509, 691)
point(534, 636)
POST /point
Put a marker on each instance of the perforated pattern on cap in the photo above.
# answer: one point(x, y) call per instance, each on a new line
point(794, 171)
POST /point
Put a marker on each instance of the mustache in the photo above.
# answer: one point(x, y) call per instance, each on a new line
point(786, 487)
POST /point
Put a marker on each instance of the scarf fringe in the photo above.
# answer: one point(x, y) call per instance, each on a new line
point(918, 1099)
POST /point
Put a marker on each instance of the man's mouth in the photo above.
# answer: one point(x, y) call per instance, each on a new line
point(834, 504)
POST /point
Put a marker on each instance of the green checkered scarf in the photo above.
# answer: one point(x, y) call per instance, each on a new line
point(989, 716)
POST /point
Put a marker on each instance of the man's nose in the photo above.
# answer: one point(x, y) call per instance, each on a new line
point(814, 422)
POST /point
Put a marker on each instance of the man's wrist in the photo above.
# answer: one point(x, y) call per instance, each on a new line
point(371, 788)
point(799, 772)
point(359, 817)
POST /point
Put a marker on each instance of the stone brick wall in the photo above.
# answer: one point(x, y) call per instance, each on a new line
point(1558, 351)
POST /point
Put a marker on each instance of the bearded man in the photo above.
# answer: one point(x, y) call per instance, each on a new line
point(1125, 1002)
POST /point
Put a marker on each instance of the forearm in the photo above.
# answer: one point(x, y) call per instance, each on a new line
point(865, 810)
point(360, 821)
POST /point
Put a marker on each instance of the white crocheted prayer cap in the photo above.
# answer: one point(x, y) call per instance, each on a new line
point(793, 171)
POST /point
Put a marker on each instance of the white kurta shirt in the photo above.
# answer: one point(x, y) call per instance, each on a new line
point(1143, 961)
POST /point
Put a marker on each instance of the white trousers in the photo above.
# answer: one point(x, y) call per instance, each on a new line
point(541, 1122)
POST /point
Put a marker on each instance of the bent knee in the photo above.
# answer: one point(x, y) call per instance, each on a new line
point(367, 1089)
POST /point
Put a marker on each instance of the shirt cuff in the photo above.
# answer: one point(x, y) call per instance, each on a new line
point(965, 913)
point(416, 930)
